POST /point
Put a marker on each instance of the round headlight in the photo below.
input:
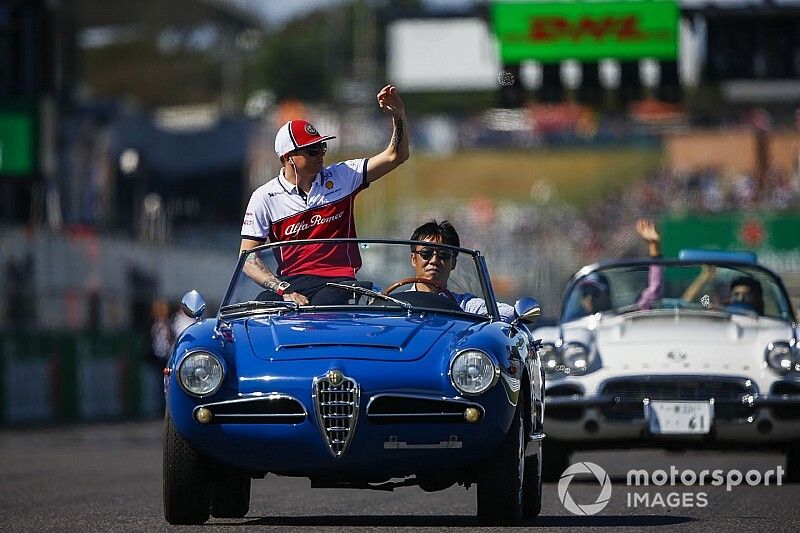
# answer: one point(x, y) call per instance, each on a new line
point(472, 372)
point(200, 373)
point(781, 356)
point(551, 361)
point(577, 357)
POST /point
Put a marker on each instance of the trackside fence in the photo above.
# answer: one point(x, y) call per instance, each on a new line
point(50, 377)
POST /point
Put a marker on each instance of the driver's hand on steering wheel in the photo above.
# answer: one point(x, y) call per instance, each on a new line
point(295, 297)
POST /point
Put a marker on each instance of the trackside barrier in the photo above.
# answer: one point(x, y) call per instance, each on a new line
point(50, 377)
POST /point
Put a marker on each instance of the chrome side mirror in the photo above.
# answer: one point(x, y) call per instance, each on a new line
point(527, 310)
point(193, 304)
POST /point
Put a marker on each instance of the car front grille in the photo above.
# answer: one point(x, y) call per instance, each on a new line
point(336, 399)
point(564, 412)
point(786, 388)
point(727, 392)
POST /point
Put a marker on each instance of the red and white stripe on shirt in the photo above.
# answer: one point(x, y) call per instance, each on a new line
point(277, 212)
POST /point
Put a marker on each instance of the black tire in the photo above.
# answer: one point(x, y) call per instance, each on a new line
point(230, 496)
point(555, 459)
point(187, 480)
point(532, 486)
point(501, 479)
point(793, 463)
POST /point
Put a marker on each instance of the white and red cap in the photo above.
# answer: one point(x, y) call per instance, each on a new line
point(297, 134)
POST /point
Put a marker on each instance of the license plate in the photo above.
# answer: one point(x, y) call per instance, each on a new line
point(676, 418)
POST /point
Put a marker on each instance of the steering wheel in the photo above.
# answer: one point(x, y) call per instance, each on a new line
point(407, 281)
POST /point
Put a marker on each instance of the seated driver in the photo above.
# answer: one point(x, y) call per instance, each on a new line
point(435, 264)
point(746, 293)
point(595, 294)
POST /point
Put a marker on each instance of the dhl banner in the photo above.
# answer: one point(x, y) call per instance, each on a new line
point(586, 30)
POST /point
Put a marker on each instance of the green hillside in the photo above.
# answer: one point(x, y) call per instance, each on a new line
point(575, 176)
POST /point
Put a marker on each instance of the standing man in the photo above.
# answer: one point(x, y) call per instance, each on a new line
point(308, 200)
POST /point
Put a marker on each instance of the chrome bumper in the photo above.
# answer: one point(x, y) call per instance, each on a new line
point(611, 421)
point(748, 400)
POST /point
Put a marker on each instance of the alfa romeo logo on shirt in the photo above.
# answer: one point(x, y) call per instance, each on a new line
point(311, 130)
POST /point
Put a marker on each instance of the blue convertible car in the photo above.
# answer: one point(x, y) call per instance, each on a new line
point(388, 387)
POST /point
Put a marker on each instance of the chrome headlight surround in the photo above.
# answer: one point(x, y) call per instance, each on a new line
point(782, 356)
point(577, 357)
point(550, 358)
point(200, 373)
point(473, 372)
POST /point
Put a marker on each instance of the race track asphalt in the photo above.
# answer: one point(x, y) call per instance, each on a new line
point(108, 478)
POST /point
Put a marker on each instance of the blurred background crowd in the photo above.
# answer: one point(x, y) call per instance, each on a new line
point(132, 134)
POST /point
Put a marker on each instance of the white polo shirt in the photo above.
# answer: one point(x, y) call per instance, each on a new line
point(278, 212)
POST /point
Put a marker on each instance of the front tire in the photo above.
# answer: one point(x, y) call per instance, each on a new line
point(532, 486)
point(502, 478)
point(230, 497)
point(793, 463)
point(187, 480)
point(555, 457)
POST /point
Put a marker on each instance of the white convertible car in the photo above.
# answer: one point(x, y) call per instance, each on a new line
point(695, 352)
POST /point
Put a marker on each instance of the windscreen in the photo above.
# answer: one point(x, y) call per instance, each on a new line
point(448, 274)
point(731, 288)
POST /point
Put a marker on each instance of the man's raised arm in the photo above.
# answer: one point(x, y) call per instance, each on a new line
point(397, 152)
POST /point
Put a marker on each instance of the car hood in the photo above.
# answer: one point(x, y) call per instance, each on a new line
point(661, 342)
point(321, 335)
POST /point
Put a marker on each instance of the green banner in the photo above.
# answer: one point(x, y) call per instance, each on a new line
point(758, 232)
point(18, 139)
point(588, 31)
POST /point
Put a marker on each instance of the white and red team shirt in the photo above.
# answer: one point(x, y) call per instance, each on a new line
point(278, 212)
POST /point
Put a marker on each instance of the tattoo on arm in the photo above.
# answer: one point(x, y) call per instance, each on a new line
point(258, 271)
point(398, 134)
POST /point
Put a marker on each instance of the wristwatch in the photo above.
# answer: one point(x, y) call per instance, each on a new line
point(282, 287)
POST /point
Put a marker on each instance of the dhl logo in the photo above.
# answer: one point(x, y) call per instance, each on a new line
point(625, 28)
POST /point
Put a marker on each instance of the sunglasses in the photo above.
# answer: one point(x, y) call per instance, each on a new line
point(427, 254)
point(590, 290)
point(315, 150)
